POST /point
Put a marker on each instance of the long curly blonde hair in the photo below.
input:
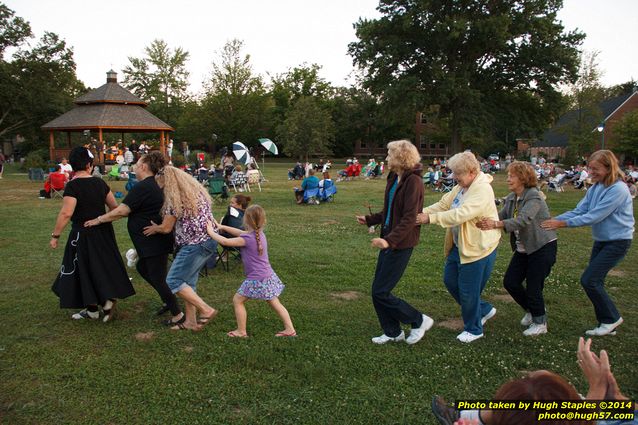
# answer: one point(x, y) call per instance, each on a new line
point(181, 192)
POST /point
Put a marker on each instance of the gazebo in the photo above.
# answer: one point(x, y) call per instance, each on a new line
point(108, 109)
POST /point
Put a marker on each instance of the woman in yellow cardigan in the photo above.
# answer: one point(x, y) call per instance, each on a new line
point(470, 252)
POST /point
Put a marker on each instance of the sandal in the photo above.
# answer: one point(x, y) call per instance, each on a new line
point(182, 327)
point(170, 322)
point(234, 334)
point(205, 320)
point(286, 334)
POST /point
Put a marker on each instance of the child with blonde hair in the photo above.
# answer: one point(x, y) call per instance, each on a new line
point(261, 282)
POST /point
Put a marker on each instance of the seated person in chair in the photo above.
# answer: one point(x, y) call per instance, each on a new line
point(56, 181)
point(308, 184)
point(327, 188)
point(234, 217)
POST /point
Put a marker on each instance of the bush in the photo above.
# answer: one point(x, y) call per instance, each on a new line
point(36, 159)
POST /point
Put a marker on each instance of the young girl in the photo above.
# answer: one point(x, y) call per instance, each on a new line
point(261, 281)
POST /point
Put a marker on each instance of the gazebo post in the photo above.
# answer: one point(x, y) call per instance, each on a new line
point(51, 145)
point(162, 148)
point(101, 147)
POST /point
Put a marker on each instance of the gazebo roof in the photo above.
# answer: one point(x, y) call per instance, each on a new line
point(109, 107)
point(108, 116)
point(110, 93)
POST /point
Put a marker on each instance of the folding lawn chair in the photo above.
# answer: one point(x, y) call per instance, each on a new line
point(217, 189)
point(328, 191)
point(233, 218)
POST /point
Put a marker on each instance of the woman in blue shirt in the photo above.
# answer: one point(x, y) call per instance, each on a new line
point(608, 208)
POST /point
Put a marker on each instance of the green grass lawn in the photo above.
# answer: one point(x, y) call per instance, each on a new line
point(134, 371)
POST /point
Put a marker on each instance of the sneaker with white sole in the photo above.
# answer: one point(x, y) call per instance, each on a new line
point(383, 339)
point(467, 337)
point(527, 319)
point(85, 314)
point(417, 333)
point(605, 329)
point(488, 316)
point(536, 329)
point(107, 309)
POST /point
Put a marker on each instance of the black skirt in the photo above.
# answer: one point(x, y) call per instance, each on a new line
point(92, 269)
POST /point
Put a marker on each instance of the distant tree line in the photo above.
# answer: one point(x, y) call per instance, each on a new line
point(483, 72)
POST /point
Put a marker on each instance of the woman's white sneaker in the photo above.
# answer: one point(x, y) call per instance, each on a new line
point(488, 316)
point(417, 333)
point(536, 329)
point(527, 319)
point(85, 314)
point(383, 339)
point(467, 337)
point(605, 329)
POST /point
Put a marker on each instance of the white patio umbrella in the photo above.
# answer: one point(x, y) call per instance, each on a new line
point(241, 153)
point(270, 146)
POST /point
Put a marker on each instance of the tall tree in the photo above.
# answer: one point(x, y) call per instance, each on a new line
point(36, 84)
point(235, 99)
point(307, 129)
point(301, 81)
point(460, 53)
point(585, 96)
point(160, 78)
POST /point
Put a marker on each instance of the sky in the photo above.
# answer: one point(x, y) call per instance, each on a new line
point(277, 34)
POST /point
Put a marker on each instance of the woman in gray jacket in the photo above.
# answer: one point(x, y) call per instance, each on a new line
point(534, 248)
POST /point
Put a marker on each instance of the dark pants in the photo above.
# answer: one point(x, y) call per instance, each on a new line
point(534, 269)
point(604, 256)
point(153, 270)
point(391, 310)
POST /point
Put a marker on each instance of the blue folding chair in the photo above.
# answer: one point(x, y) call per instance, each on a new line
point(311, 196)
point(326, 194)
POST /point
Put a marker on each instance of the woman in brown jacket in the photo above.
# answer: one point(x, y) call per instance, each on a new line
point(399, 235)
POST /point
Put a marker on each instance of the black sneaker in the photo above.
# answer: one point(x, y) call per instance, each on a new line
point(445, 414)
point(163, 309)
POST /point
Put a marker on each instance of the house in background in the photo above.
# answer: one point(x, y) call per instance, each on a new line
point(423, 140)
point(555, 140)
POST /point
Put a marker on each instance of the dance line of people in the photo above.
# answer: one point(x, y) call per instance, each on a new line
point(182, 207)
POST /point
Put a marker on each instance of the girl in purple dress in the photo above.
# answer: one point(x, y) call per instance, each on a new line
point(261, 283)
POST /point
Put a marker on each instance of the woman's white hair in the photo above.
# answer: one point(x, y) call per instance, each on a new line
point(463, 163)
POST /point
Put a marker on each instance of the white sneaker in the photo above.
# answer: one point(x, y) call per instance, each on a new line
point(488, 316)
point(467, 337)
point(417, 333)
point(536, 329)
point(131, 257)
point(85, 314)
point(605, 329)
point(385, 339)
point(527, 319)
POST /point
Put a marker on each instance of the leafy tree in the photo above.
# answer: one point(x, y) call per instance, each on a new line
point(585, 95)
point(626, 134)
point(160, 78)
point(36, 84)
point(461, 54)
point(307, 130)
point(235, 99)
point(301, 81)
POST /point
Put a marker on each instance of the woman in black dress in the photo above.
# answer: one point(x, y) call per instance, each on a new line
point(142, 206)
point(92, 272)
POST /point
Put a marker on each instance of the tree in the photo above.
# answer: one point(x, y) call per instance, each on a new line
point(36, 84)
point(160, 78)
point(585, 96)
point(235, 99)
point(461, 54)
point(301, 81)
point(626, 134)
point(307, 129)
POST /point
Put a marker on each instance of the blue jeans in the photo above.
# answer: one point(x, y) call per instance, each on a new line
point(604, 256)
point(392, 310)
point(187, 263)
point(465, 282)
